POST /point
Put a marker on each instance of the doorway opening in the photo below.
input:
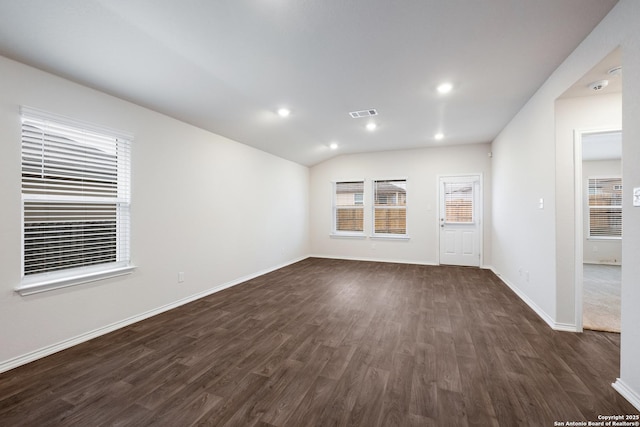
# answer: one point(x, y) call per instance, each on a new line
point(599, 232)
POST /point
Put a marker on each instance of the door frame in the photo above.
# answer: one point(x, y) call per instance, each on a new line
point(479, 207)
point(578, 233)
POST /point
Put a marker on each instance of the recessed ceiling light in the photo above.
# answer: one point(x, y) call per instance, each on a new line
point(445, 88)
point(284, 112)
point(371, 126)
point(438, 136)
point(333, 145)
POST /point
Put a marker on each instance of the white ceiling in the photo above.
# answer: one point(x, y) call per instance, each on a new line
point(599, 73)
point(228, 65)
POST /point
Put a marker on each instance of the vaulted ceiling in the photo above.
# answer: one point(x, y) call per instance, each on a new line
point(228, 65)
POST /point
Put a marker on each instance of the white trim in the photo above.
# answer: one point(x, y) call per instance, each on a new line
point(390, 236)
point(58, 282)
point(565, 327)
point(578, 234)
point(627, 392)
point(344, 235)
point(62, 345)
point(367, 259)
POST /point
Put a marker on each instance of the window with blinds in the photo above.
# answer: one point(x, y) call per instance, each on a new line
point(348, 208)
point(76, 196)
point(605, 208)
point(390, 207)
point(458, 200)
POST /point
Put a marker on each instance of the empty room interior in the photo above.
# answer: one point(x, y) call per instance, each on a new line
point(291, 213)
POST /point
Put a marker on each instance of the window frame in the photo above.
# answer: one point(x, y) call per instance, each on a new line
point(47, 193)
point(401, 236)
point(592, 208)
point(359, 203)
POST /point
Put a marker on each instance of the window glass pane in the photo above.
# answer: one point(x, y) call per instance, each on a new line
point(390, 221)
point(459, 202)
point(390, 193)
point(605, 207)
point(349, 220)
point(390, 200)
point(348, 206)
point(349, 193)
point(605, 221)
point(67, 235)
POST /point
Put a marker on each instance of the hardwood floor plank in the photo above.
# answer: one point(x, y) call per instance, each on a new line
point(257, 404)
point(397, 397)
point(329, 342)
point(369, 403)
point(313, 403)
point(284, 405)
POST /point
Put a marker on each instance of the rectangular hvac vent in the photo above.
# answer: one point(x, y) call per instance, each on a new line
point(363, 113)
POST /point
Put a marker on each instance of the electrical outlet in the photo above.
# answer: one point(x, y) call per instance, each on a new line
point(181, 277)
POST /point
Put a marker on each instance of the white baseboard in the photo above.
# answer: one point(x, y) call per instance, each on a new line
point(627, 393)
point(62, 345)
point(393, 261)
point(602, 263)
point(557, 326)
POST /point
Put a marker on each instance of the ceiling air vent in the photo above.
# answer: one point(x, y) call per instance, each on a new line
point(363, 113)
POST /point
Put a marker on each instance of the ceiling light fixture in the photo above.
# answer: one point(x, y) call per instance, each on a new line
point(445, 88)
point(284, 112)
point(371, 126)
point(439, 136)
point(333, 145)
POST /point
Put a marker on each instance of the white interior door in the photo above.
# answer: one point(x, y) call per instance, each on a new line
point(460, 220)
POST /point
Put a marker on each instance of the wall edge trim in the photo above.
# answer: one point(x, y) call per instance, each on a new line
point(563, 327)
point(627, 392)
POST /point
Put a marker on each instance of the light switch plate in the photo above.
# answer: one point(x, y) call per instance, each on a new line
point(636, 196)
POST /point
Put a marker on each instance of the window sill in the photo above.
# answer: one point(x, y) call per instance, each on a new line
point(605, 238)
point(44, 285)
point(391, 237)
point(347, 236)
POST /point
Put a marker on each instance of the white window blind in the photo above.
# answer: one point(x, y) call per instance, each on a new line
point(458, 202)
point(605, 207)
point(349, 207)
point(390, 207)
point(76, 195)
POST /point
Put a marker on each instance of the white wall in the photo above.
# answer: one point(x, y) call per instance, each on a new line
point(601, 112)
point(523, 171)
point(599, 251)
point(421, 168)
point(210, 207)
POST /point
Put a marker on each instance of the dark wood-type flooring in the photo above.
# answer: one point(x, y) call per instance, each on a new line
point(329, 342)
